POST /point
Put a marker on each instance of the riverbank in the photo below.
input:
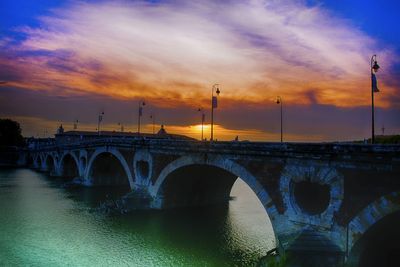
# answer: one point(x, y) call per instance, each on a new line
point(9, 156)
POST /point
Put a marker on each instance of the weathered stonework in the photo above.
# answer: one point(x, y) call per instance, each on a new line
point(143, 167)
point(360, 182)
point(296, 171)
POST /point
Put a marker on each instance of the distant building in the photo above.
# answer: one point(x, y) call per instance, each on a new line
point(63, 137)
point(60, 130)
point(162, 131)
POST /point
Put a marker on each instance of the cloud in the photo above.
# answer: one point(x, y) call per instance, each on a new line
point(88, 56)
point(177, 49)
point(313, 122)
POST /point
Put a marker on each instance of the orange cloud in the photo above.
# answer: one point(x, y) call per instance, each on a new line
point(172, 53)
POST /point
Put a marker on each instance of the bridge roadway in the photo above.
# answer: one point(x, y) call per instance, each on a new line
point(324, 200)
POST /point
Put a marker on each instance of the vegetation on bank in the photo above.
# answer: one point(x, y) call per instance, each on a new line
point(387, 139)
point(10, 133)
point(383, 139)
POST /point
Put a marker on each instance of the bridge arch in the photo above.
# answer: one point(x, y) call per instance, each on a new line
point(117, 158)
point(50, 164)
point(69, 165)
point(229, 169)
point(42, 161)
point(381, 215)
point(372, 214)
point(30, 160)
point(37, 162)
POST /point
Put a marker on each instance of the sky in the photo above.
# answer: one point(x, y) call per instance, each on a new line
point(64, 60)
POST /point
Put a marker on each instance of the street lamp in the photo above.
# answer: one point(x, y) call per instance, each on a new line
point(100, 119)
point(203, 116)
point(279, 102)
point(140, 113)
point(121, 126)
point(153, 118)
point(374, 89)
point(214, 104)
point(76, 124)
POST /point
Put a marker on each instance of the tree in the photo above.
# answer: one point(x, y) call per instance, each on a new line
point(10, 133)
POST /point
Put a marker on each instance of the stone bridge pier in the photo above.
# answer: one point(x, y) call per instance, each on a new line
point(328, 204)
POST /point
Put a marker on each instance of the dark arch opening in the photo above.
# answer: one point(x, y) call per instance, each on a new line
point(107, 170)
point(380, 246)
point(50, 165)
point(197, 185)
point(38, 163)
point(29, 161)
point(312, 198)
point(69, 167)
point(218, 203)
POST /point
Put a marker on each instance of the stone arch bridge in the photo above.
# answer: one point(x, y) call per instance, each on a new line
point(322, 198)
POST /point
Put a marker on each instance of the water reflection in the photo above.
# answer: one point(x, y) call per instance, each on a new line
point(44, 224)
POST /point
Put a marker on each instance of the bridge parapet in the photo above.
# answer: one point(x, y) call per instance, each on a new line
point(322, 151)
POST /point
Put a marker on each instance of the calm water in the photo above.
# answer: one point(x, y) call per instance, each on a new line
point(43, 224)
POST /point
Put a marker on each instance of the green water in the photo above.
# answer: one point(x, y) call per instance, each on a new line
point(44, 224)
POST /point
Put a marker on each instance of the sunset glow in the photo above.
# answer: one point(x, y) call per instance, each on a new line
point(171, 52)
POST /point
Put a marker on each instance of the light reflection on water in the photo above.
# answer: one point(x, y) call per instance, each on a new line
point(43, 224)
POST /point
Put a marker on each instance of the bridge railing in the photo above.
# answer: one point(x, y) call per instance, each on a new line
point(342, 151)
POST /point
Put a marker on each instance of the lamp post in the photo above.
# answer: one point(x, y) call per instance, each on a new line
point(214, 104)
point(140, 113)
point(76, 124)
point(121, 126)
point(153, 118)
point(374, 89)
point(279, 102)
point(203, 116)
point(100, 119)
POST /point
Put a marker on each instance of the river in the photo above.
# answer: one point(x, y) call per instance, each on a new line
point(44, 224)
